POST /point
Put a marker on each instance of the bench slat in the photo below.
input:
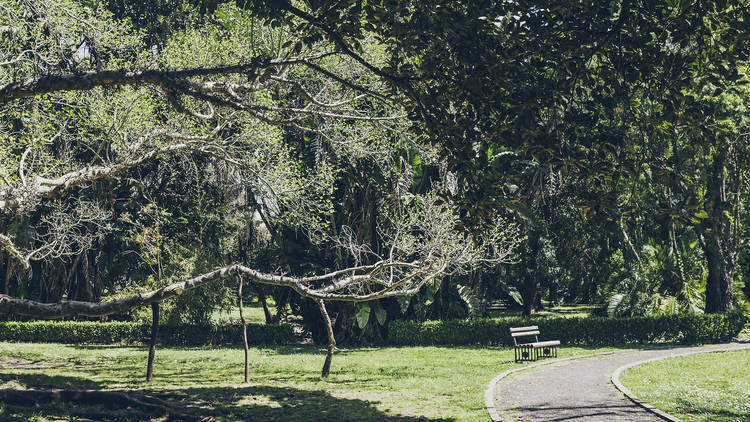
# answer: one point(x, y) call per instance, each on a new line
point(529, 328)
point(525, 333)
point(546, 343)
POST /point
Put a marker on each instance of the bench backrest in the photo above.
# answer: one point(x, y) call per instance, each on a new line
point(532, 330)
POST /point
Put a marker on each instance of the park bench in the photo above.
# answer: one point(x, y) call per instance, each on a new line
point(535, 349)
point(498, 305)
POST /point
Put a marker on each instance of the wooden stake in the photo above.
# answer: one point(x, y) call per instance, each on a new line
point(152, 348)
point(244, 330)
point(331, 339)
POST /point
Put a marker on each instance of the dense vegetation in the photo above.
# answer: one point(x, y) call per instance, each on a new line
point(363, 172)
point(608, 141)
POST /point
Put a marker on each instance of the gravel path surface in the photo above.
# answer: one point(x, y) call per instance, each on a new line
point(579, 390)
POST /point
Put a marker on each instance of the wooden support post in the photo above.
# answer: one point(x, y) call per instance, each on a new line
point(331, 339)
point(152, 348)
point(244, 330)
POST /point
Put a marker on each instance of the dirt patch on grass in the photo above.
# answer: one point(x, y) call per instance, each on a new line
point(16, 363)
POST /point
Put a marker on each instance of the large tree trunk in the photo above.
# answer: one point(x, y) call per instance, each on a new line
point(716, 241)
point(720, 275)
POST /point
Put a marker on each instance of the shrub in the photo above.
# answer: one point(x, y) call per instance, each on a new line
point(137, 332)
point(683, 328)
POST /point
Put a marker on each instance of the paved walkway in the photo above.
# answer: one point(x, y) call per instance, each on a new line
point(579, 390)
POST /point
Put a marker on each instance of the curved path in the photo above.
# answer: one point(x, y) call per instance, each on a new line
point(579, 389)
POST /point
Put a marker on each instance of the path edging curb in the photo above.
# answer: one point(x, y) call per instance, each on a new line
point(648, 407)
point(489, 393)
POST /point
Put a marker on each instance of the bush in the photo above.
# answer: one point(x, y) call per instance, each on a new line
point(137, 332)
point(683, 328)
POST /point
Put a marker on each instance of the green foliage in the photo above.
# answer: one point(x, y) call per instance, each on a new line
point(78, 332)
point(683, 328)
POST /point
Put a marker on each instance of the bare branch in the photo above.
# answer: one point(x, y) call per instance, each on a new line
point(87, 80)
point(10, 247)
point(23, 196)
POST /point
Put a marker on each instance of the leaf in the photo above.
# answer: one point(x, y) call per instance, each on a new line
point(380, 314)
point(614, 303)
point(404, 302)
point(469, 296)
point(523, 211)
point(701, 214)
point(515, 295)
point(363, 316)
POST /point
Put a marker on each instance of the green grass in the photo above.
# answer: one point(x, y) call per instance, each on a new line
point(366, 384)
point(564, 311)
point(706, 387)
point(253, 313)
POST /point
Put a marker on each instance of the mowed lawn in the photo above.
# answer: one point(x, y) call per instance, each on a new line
point(366, 384)
point(706, 387)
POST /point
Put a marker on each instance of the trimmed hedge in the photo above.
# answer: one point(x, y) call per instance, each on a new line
point(137, 332)
point(687, 328)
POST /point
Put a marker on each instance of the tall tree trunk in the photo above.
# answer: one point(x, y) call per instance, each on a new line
point(553, 299)
point(715, 235)
point(152, 348)
point(244, 330)
point(530, 288)
point(264, 303)
point(3, 274)
point(331, 339)
point(720, 275)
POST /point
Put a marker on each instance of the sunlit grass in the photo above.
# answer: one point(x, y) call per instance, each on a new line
point(705, 387)
point(366, 384)
point(252, 310)
point(563, 311)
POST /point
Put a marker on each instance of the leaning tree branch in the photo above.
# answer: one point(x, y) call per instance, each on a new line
point(414, 279)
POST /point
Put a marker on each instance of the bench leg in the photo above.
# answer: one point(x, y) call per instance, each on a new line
point(524, 353)
point(547, 352)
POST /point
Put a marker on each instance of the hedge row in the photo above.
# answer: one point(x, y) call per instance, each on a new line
point(688, 328)
point(136, 332)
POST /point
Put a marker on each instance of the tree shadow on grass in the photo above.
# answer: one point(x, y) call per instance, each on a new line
point(268, 403)
point(686, 407)
point(248, 403)
point(48, 381)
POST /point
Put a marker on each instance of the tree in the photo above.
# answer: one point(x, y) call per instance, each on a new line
point(144, 102)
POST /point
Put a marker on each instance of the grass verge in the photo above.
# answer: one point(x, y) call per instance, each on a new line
point(705, 387)
point(366, 384)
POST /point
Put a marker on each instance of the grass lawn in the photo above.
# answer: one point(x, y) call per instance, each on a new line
point(366, 384)
point(707, 387)
point(563, 311)
point(253, 313)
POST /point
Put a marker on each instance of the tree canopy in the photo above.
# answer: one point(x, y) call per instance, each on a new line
point(361, 150)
